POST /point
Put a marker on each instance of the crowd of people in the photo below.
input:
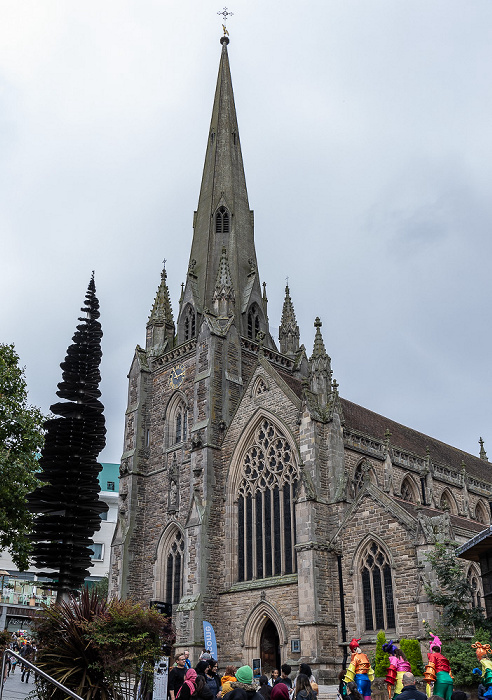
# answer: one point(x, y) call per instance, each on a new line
point(26, 648)
point(204, 683)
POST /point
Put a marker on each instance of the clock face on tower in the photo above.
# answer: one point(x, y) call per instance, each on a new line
point(176, 377)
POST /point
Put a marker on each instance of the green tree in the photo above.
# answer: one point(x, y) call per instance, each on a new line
point(452, 592)
point(381, 662)
point(411, 649)
point(21, 438)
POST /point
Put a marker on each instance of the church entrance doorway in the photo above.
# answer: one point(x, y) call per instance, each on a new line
point(269, 648)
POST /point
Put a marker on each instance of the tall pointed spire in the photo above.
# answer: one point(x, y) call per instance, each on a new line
point(288, 333)
point(160, 326)
point(223, 217)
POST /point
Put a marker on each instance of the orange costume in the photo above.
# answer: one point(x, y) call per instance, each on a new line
point(359, 670)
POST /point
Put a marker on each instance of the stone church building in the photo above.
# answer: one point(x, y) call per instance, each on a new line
point(252, 494)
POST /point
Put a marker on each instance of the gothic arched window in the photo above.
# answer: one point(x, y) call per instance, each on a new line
point(174, 569)
point(177, 421)
point(189, 324)
point(253, 322)
point(181, 424)
point(222, 220)
point(408, 491)
point(265, 506)
point(377, 588)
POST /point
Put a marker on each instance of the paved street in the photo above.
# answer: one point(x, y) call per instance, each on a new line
point(14, 689)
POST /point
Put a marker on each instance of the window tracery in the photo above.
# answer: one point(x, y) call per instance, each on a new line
point(377, 588)
point(177, 422)
point(221, 220)
point(265, 506)
point(174, 569)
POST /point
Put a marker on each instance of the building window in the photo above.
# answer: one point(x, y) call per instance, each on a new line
point(265, 506)
point(110, 486)
point(222, 220)
point(174, 570)
point(104, 516)
point(97, 551)
point(377, 588)
point(253, 322)
point(189, 324)
point(181, 424)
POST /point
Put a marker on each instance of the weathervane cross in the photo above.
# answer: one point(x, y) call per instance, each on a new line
point(225, 14)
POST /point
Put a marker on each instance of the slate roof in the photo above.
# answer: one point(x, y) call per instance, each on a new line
point(374, 425)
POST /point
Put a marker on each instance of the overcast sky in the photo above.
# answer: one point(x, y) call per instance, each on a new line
point(366, 131)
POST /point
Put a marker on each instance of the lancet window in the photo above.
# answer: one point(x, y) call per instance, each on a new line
point(181, 424)
point(176, 421)
point(222, 220)
point(265, 506)
point(377, 588)
point(189, 324)
point(481, 513)
point(253, 322)
point(174, 569)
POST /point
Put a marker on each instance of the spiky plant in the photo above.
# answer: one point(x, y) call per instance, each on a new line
point(67, 505)
point(101, 650)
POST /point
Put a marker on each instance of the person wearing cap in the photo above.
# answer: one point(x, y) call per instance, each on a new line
point(244, 688)
point(359, 670)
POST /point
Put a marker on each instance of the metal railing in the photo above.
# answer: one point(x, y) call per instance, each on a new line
point(9, 652)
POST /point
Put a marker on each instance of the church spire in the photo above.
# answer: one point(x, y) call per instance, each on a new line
point(160, 326)
point(288, 332)
point(223, 217)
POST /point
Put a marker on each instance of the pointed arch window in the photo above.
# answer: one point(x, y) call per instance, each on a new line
point(189, 324)
point(181, 424)
point(253, 322)
point(377, 588)
point(176, 430)
point(221, 220)
point(174, 569)
point(265, 506)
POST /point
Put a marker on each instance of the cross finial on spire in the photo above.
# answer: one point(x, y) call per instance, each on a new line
point(225, 14)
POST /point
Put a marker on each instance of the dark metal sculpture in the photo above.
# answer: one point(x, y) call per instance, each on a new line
point(68, 504)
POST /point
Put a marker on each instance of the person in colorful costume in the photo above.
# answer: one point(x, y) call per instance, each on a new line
point(398, 666)
point(359, 670)
point(438, 670)
point(481, 651)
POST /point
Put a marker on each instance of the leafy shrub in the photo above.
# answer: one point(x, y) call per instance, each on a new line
point(382, 659)
point(411, 649)
point(101, 650)
point(462, 657)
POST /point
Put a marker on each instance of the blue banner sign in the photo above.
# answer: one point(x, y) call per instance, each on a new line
point(210, 641)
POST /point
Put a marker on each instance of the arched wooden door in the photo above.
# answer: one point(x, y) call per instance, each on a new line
point(269, 648)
